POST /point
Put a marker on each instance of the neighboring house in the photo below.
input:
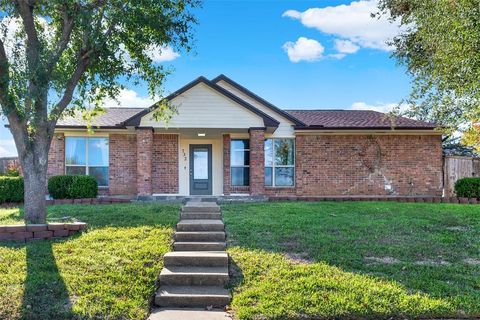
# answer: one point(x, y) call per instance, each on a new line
point(9, 163)
point(226, 140)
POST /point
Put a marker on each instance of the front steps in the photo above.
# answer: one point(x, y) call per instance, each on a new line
point(195, 274)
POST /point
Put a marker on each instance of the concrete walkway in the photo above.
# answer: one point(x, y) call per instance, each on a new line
point(195, 274)
point(188, 314)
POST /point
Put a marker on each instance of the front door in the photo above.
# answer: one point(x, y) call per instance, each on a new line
point(200, 169)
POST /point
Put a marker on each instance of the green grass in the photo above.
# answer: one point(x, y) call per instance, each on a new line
point(354, 260)
point(108, 272)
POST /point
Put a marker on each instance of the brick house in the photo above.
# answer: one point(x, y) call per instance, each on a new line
point(226, 140)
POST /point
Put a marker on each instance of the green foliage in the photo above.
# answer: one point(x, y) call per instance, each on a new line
point(353, 260)
point(11, 189)
point(439, 45)
point(72, 187)
point(107, 272)
point(13, 172)
point(468, 187)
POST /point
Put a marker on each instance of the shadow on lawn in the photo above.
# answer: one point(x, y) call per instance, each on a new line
point(45, 293)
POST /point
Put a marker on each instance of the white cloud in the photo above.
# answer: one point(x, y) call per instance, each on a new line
point(304, 50)
point(346, 46)
point(380, 107)
point(128, 99)
point(351, 22)
point(7, 148)
point(162, 54)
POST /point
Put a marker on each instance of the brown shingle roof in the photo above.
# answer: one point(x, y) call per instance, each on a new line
point(355, 119)
point(113, 117)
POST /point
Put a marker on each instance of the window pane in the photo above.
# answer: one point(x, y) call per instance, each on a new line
point(200, 163)
point(75, 151)
point(284, 152)
point(240, 176)
point(284, 176)
point(268, 176)
point(98, 152)
point(268, 152)
point(100, 174)
point(240, 158)
point(76, 170)
point(240, 144)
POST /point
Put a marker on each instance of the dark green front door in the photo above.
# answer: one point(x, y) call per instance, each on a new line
point(200, 169)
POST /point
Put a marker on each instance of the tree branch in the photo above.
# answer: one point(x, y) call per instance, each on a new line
point(25, 10)
point(63, 42)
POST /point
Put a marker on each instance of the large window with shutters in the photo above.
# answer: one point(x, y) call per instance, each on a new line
point(87, 156)
point(240, 162)
point(280, 162)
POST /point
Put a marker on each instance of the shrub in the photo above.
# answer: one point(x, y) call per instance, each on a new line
point(468, 187)
point(72, 187)
point(11, 189)
point(13, 172)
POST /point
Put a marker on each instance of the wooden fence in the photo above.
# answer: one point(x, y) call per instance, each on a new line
point(457, 167)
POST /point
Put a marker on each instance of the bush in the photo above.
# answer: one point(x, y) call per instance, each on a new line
point(11, 189)
point(72, 187)
point(468, 188)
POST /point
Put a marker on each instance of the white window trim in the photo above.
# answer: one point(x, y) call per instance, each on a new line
point(86, 165)
point(239, 166)
point(273, 166)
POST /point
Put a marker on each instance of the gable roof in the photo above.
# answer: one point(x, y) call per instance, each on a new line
point(267, 120)
point(355, 119)
point(254, 96)
point(112, 118)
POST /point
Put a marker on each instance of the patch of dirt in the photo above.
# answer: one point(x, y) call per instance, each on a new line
point(473, 262)
point(383, 260)
point(299, 258)
point(432, 263)
point(457, 228)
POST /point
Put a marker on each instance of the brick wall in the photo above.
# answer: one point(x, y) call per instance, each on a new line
point(368, 165)
point(123, 164)
point(56, 156)
point(257, 162)
point(165, 163)
point(144, 161)
point(226, 165)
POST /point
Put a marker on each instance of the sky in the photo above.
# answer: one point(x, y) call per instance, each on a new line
point(296, 54)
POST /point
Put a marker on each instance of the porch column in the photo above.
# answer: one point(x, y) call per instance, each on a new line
point(226, 165)
point(144, 161)
point(257, 161)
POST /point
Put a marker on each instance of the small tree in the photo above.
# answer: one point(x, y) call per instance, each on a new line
point(57, 56)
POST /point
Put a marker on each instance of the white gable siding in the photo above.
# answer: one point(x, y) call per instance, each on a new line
point(285, 128)
point(202, 107)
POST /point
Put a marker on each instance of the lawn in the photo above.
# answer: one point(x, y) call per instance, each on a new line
point(109, 271)
point(354, 260)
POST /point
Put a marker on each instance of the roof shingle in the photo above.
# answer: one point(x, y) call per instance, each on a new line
point(356, 119)
point(113, 117)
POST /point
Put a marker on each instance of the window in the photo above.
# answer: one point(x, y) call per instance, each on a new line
point(240, 162)
point(87, 156)
point(279, 162)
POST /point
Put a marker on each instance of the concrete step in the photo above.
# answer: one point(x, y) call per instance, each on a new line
point(194, 276)
point(200, 215)
point(196, 236)
point(201, 207)
point(200, 225)
point(192, 296)
point(199, 246)
point(196, 259)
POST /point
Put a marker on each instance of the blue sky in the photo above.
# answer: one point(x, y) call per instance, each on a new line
point(296, 54)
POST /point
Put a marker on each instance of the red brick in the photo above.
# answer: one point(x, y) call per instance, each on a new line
point(144, 161)
point(257, 161)
point(14, 228)
point(226, 165)
point(6, 236)
point(123, 164)
point(37, 227)
point(22, 235)
point(56, 156)
point(165, 163)
point(60, 233)
point(43, 234)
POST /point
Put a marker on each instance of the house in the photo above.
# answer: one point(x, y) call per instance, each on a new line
point(226, 140)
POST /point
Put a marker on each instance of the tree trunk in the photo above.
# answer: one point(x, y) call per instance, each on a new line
point(34, 167)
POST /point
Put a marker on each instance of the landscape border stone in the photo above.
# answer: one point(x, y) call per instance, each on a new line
point(22, 233)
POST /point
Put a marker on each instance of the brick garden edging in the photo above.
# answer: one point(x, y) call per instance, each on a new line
point(21, 233)
point(102, 200)
point(384, 198)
